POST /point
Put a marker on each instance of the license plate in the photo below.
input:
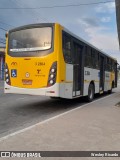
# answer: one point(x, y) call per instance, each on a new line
point(26, 82)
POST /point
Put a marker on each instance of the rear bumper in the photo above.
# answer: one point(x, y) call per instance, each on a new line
point(50, 91)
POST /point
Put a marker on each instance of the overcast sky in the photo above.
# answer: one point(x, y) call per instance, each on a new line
point(94, 23)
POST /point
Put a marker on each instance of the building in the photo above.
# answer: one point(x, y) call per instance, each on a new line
point(2, 62)
point(118, 17)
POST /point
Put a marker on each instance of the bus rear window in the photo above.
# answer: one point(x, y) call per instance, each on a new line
point(30, 41)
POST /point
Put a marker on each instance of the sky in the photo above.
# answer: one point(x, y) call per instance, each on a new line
point(95, 23)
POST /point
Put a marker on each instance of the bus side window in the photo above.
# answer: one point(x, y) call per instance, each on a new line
point(96, 60)
point(78, 49)
point(108, 64)
point(88, 59)
point(93, 58)
point(66, 42)
point(113, 66)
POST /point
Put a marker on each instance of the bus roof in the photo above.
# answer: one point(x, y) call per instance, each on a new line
point(82, 40)
point(32, 25)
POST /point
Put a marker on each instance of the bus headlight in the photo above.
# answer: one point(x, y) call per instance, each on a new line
point(7, 76)
point(7, 80)
point(52, 75)
point(53, 70)
point(51, 82)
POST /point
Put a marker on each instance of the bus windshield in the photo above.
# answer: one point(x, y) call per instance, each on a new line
point(30, 40)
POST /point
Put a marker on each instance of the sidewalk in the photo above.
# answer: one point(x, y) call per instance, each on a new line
point(94, 127)
point(1, 85)
point(1, 82)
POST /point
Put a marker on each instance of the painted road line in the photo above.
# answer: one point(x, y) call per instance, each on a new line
point(21, 98)
point(52, 118)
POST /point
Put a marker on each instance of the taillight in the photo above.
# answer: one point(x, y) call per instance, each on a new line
point(7, 75)
point(52, 74)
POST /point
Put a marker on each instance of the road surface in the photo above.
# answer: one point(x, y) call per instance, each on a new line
point(20, 111)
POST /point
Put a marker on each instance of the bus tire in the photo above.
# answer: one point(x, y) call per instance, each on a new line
point(110, 91)
point(55, 98)
point(91, 92)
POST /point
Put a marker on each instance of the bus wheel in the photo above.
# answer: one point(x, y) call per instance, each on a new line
point(110, 91)
point(55, 98)
point(91, 92)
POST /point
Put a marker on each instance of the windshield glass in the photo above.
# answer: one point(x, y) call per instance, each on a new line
point(30, 40)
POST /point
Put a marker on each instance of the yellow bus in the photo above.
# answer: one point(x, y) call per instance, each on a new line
point(47, 59)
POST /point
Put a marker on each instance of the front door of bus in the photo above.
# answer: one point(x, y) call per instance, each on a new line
point(102, 73)
point(77, 69)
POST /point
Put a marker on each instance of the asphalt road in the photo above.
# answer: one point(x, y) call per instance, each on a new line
point(20, 111)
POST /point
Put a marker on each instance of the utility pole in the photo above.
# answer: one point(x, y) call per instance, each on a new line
point(118, 17)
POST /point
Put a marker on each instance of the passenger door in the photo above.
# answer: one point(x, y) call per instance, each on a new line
point(102, 73)
point(77, 69)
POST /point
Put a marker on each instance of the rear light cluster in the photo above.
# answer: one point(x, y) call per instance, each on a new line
point(52, 74)
point(7, 76)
